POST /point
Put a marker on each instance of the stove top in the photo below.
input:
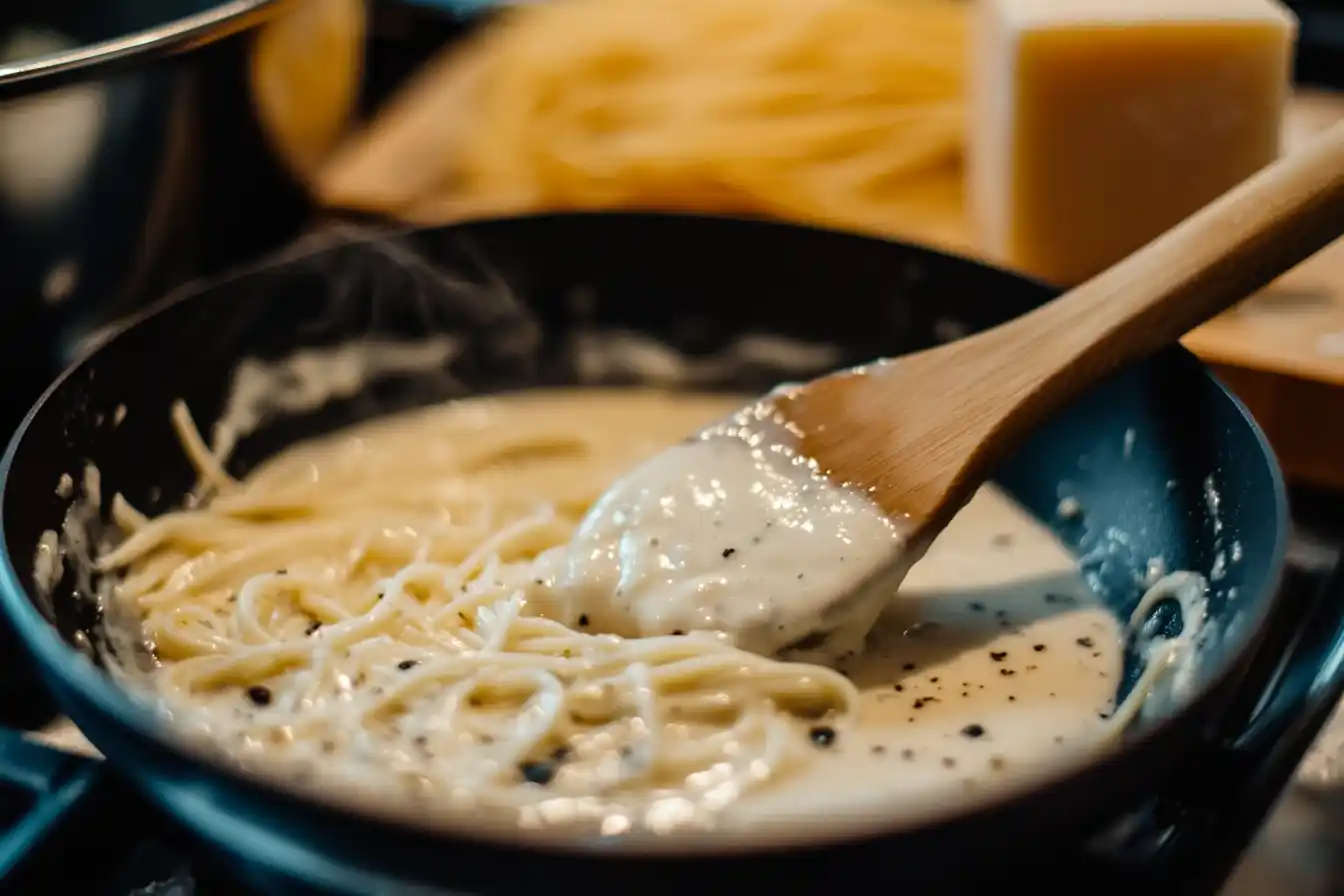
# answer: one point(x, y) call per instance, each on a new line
point(68, 824)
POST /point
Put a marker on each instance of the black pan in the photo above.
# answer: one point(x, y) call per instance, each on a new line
point(698, 284)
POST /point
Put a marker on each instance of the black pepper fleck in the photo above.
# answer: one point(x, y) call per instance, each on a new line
point(998, 656)
point(1038, 647)
point(1085, 642)
point(583, 620)
point(973, 731)
point(908, 667)
point(259, 694)
point(728, 552)
point(822, 735)
point(678, 632)
point(1007, 672)
point(540, 773)
point(976, 606)
point(899, 687)
point(312, 627)
point(407, 664)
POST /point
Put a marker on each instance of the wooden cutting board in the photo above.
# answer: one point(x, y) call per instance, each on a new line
point(1282, 351)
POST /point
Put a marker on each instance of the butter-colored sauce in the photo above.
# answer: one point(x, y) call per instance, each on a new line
point(992, 665)
point(732, 530)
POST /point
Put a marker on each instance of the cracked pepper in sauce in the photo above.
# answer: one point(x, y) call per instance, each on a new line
point(994, 659)
point(994, 663)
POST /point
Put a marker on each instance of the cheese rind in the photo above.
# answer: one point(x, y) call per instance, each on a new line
point(1101, 123)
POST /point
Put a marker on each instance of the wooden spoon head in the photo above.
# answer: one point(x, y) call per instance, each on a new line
point(912, 433)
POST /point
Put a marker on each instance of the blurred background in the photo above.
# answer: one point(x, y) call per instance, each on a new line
point(146, 143)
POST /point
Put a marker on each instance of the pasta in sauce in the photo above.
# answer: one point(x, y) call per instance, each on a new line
point(369, 608)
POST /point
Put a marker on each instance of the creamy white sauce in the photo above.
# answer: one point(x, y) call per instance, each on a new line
point(730, 531)
point(994, 665)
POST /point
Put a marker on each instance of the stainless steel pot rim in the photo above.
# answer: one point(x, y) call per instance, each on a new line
point(188, 31)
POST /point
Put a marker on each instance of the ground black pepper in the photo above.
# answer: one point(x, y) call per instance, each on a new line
point(1007, 672)
point(404, 665)
point(973, 731)
point(728, 552)
point(1085, 642)
point(1038, 647)
point(259, 694)
point(822, 735)
point(583, 620)
point(998, 656)
point(312, 627)
point(540, 773)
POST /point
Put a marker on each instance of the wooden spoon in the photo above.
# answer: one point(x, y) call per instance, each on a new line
point(920, 433)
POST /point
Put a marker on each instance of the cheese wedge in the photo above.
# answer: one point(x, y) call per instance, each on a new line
point(1098, 124)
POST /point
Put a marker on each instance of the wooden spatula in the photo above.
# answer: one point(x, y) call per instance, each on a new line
point(921, 432)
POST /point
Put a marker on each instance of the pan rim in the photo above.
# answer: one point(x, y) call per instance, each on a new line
point(95, 687)
point(194, 29)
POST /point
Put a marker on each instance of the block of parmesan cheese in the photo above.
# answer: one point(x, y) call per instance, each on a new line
point(1098, 124)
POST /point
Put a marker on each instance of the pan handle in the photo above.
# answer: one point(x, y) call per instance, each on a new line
point(46, 791)
point(1218, 822)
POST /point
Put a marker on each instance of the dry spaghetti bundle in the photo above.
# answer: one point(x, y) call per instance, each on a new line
point(841, 112)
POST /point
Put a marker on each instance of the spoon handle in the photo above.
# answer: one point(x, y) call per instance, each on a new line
point(1257, 231)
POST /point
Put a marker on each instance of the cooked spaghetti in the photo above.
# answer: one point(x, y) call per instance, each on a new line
point(379, 608)
point(369, 602)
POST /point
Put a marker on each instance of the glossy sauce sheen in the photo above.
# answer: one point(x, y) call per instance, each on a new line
point(730, 531)
point(993, 661)
point(994, 658)
point(992, 666)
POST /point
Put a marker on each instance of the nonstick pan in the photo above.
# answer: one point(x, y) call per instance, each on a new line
point(1164, 460)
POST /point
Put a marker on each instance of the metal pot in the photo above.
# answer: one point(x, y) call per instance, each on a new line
point(143, 144)
point(148, 142)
